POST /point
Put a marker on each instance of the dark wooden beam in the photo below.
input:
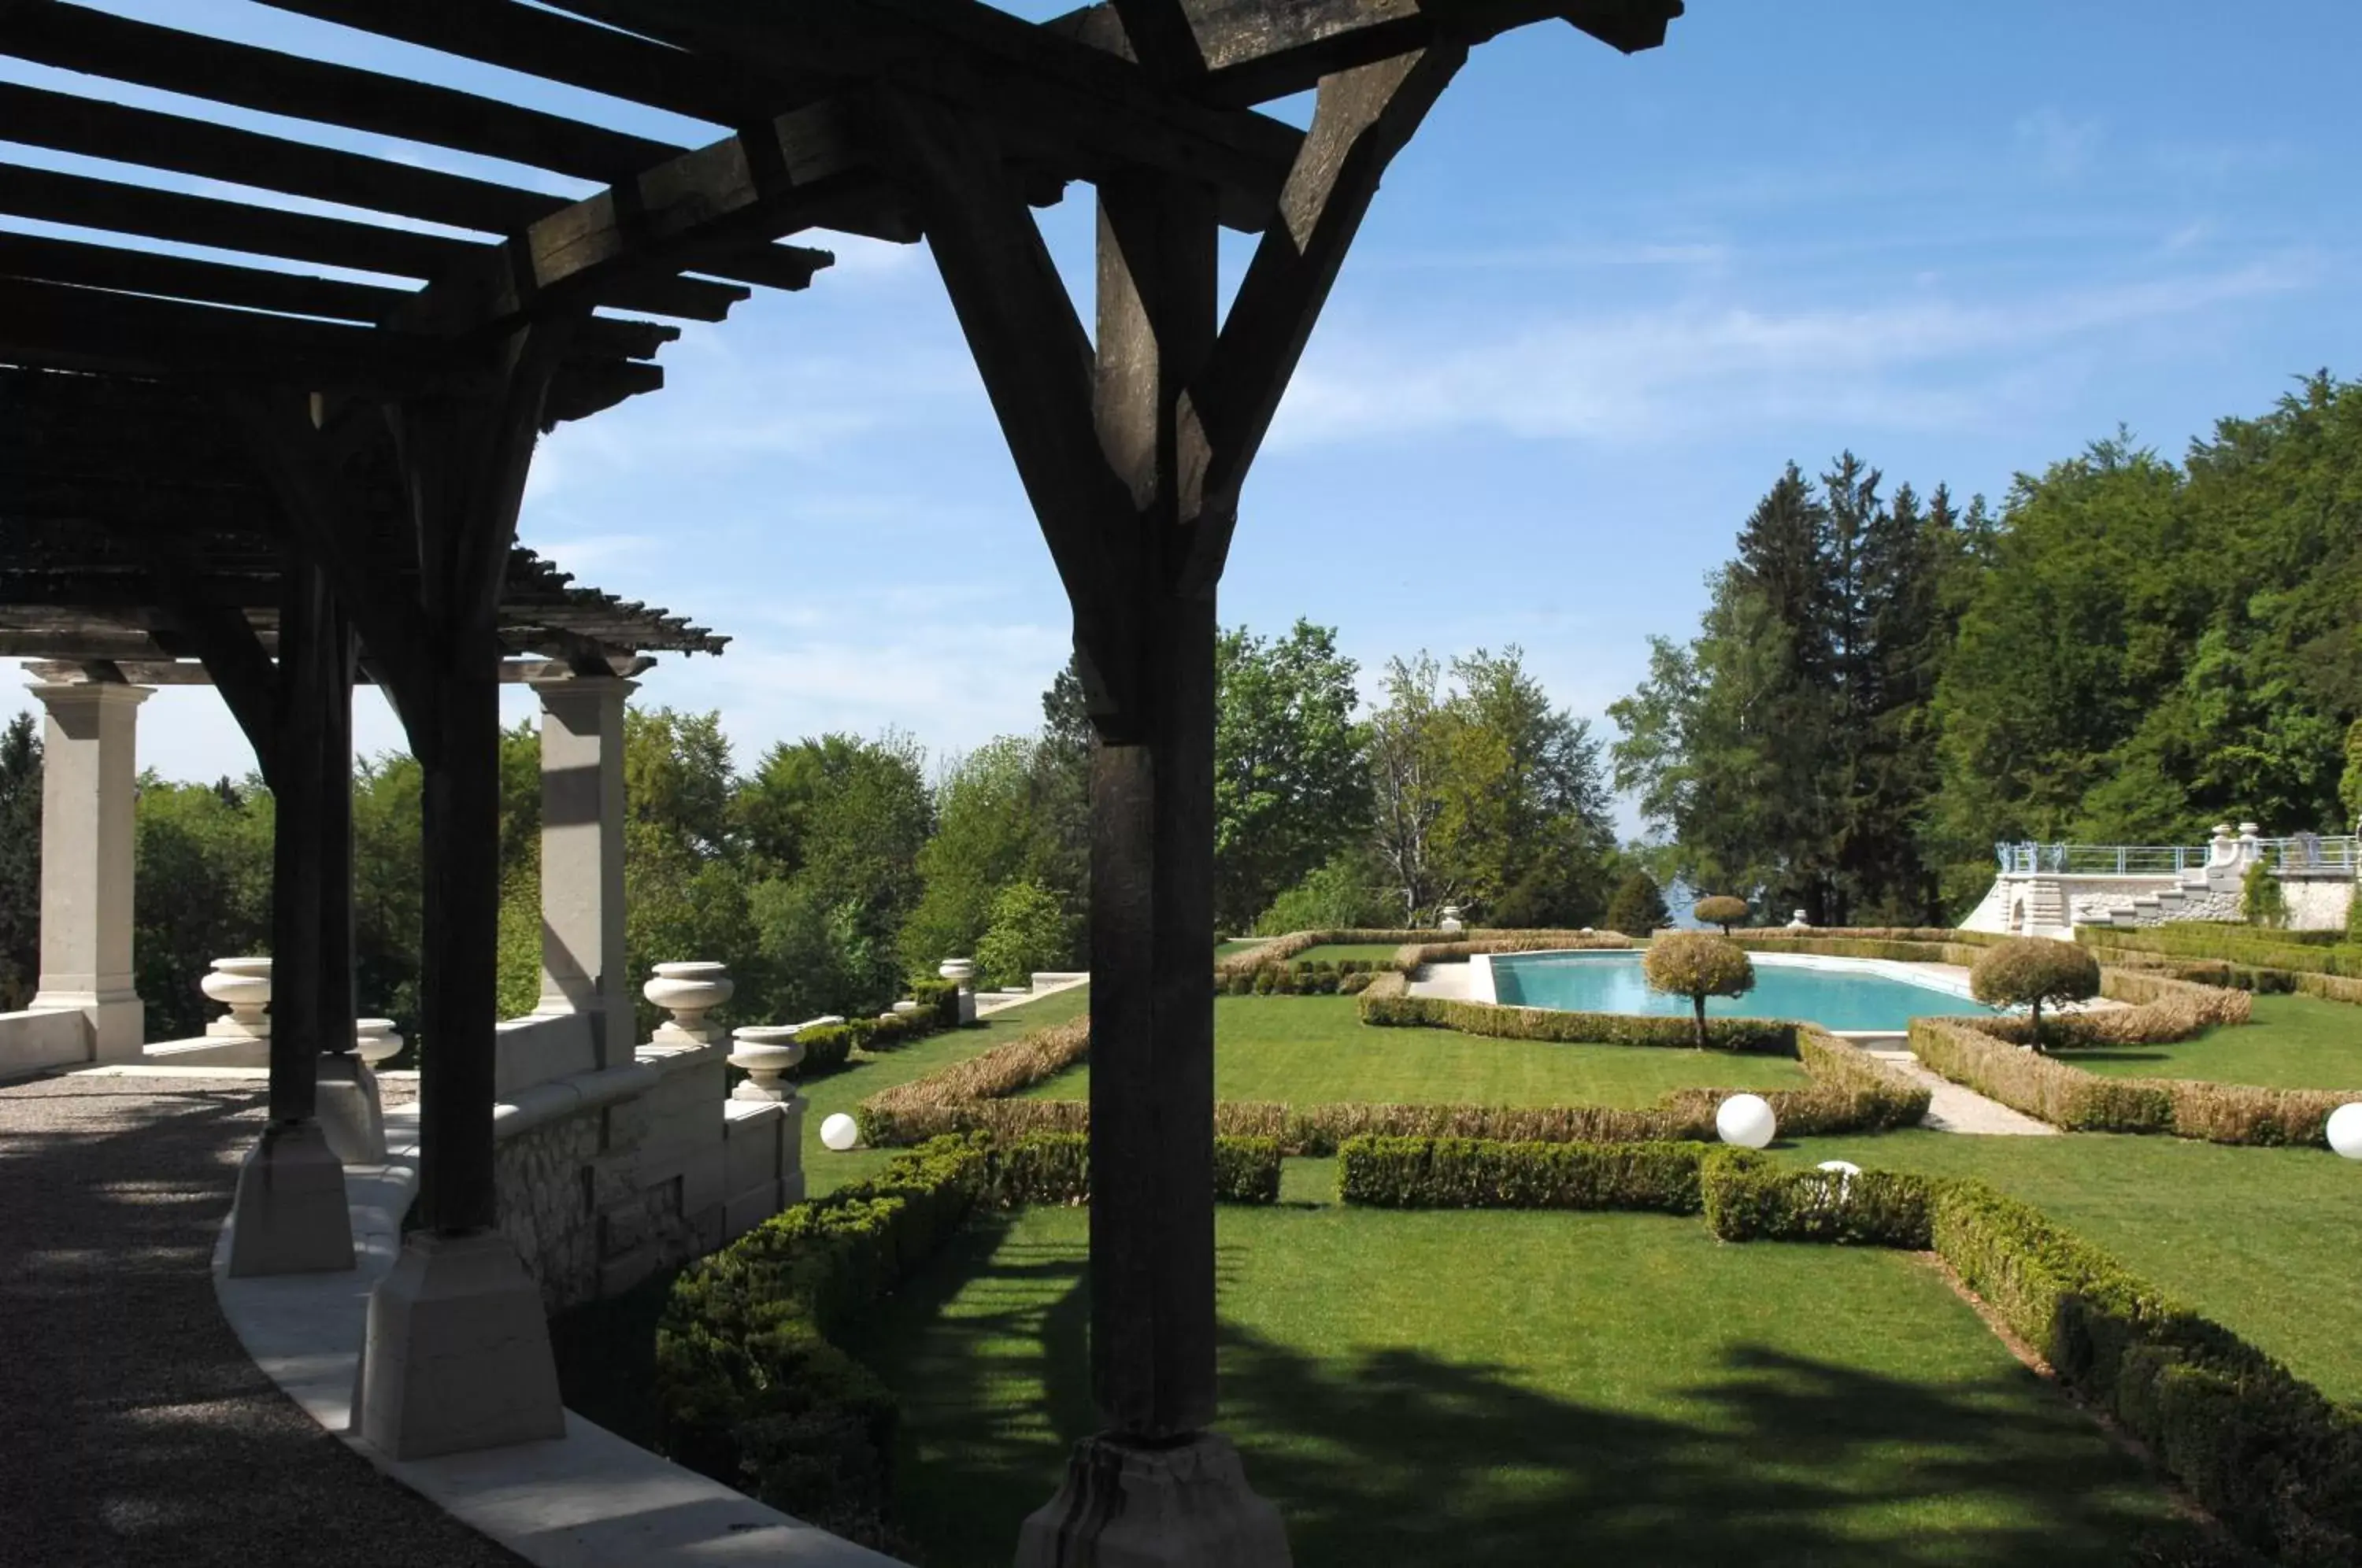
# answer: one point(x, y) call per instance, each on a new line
point(1043, 91)
point(74, 38)
point(89, 126)
point(1036, 360)
point(1252, 50)
point(1364, 117)
point(91, 329)
point(113, 204)
point(525, 38)
point(92, 202)
point(52, 261)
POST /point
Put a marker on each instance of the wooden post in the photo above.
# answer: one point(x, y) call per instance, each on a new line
point(312, 847)
point(1152, 837)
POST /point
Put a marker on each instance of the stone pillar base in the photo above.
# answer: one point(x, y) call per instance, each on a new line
point(1129, 1506)
point(456, 1355)
point(351, 1114)
point(289, 1215)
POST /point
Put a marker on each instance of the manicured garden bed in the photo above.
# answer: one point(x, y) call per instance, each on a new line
point(867, 1074)
point(1316, 1050)
point(2262, 1240)
point(1511, 1388)
point(1343, 952)
point(2295, 1042)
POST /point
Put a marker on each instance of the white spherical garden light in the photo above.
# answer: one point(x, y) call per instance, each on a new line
point(2345, 1129)
point(1746, 1121)
point(839, 1133)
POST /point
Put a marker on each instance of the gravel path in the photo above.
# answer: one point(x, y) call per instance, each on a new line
point(1954, 1109)
point(133, 1429)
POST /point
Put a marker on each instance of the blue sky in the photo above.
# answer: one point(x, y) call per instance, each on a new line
point(1599, 303)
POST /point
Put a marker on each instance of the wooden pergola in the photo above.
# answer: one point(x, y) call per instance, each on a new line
point(382, 414)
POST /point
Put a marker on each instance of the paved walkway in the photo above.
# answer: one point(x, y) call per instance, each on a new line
point(133, 1428)
point(1953, 1109)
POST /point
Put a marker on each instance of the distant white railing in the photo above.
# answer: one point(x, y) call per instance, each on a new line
point(2299, 852)
point(2099, 859)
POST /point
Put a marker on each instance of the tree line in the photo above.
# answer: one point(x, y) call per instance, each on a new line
point(2129, 650)
point(837, 867)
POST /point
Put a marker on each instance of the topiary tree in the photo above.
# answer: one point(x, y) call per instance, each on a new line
point(1638, 908)
point(2026, 971)
point(2261, 898)
point(1720, 910)
point(1698, 965)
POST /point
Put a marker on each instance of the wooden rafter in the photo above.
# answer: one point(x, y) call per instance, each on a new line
point(1251, 51)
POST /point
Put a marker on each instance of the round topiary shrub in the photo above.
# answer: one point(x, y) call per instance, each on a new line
point(1720, 910)
point(1698, 965)
point(2026, 971)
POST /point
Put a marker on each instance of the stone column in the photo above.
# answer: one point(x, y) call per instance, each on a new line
point(582, 859)
point(89, 780)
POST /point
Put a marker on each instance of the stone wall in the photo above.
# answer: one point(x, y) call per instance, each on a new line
point(605, 1177)
point(2317, 901)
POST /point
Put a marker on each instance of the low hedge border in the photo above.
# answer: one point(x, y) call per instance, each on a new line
point(2268, 1454)
point(1852, 1092)
point(1281, 950)
point(2274, 1460)
point(2054, 1089)
point(751, 1389)
point(828, 1046)
point(904, 1114)
point(1387, 1005)
point(2236, 944)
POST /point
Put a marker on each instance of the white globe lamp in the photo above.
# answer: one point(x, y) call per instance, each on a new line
point(839, 1133)
point(1745, 1120)
point(2345, 1131)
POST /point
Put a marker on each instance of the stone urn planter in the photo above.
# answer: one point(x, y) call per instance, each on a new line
point(243, 985)
point(961, 972)
point(374, 1041)
point(689, 991)
point(1452, 921)
point(768, 1053)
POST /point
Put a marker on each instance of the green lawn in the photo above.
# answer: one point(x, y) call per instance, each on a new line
point(866, 1075)
point(1339, 952)
point(1237, 944)
point(1317, 1051)
point(1492, 1389)
point(2296, 1041)
point(2262, 1240)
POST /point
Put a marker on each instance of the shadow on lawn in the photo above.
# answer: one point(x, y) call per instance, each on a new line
point(1397, 1456)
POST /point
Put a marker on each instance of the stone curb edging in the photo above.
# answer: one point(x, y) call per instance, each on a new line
point(589, 1499)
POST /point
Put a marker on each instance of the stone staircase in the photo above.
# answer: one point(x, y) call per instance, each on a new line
point(2206, 893)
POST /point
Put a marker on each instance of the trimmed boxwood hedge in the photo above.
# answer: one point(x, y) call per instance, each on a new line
point(1852, 1092)
point(751, 1391)
point(1477, 1173)
point(2235, 943)
point(1385, 1005)
point(2054, 1089)
point(2265, 1453)
point(1747, 1198)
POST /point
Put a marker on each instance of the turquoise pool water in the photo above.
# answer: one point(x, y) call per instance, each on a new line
point(1611, 982)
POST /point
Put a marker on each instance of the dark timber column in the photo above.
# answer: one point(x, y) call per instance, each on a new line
point(1156, 1488)
point(312, 846)
point(1152, 840)
point(292, 1214)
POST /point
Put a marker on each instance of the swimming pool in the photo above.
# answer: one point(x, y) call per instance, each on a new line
point(1859, 995)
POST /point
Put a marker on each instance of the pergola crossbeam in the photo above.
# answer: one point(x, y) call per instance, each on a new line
point(1249, 51)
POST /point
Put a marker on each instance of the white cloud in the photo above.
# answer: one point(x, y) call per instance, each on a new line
point(2060, 145)
point(1911, 362)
